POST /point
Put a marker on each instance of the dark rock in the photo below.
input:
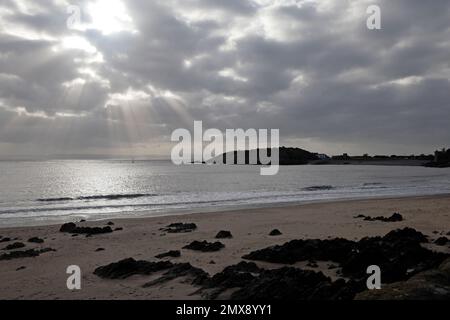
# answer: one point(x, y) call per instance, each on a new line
point(21, 268)
point(427, 285)
point(224, 235)
point(235, 276)
point(275, 232)
point(36, 240)
point(294, 284)
point(442, 241)
point(68, 227)
point(15, 245)
point(24, 254)
point(212, 262)
point(204, 246)
point(128, 267)
point(89, 231)
point(197, 275)
point(110, 223)
point(396, 217)
point(118, 229)
point(82, 220)
point(5, 239)
point(395, 253)
point(171, 253)
point(179, 227)
point(303, 250)
point(100, 249)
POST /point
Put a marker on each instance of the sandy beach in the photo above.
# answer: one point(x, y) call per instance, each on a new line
point(44, 276)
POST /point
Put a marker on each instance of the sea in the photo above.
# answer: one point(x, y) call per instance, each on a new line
point(48, 192)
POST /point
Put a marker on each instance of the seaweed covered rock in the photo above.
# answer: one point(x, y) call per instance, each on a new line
point(235, 276)
point(399, 254)
point(289, 283)
point(197, 276)
point(204, 246)
point(179, 227)
point(15, 245)
point(396, 217)
point(88, 231)
point(224, 235)
point(31, 253)
point(128, 267)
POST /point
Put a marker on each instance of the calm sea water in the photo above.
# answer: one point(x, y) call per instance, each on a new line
point(42, 192)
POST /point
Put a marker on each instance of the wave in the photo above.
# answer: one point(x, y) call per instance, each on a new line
point(318, 188)
point(99, 197)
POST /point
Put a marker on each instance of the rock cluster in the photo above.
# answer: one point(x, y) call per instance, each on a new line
point(128, 267)
point(396, 217)
point(24, 254)
point(88, 231)
point(399, 254)
point(15, 245)
point(179, 227)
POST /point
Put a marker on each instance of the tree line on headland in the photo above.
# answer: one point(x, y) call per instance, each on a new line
point(298, 156)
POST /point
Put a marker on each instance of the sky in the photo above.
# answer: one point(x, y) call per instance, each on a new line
point(120, 79)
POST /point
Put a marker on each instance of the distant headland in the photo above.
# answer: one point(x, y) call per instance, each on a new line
point(298, 156)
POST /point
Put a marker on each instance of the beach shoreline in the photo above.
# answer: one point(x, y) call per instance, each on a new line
point(126, 215)
point(44, 276)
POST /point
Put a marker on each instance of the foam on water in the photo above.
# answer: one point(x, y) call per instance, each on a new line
point(56, 191)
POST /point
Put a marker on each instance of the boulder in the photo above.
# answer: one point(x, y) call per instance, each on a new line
point(224, 235)
point(204, 246)
point(275, 232)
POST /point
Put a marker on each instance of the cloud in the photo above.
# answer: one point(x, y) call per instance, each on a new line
point(124, 79)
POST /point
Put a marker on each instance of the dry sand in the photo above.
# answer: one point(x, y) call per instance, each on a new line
point(44, 277)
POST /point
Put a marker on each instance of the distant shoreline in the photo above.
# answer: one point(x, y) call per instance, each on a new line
point(400, 162)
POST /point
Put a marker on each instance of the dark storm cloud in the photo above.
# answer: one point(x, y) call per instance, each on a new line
point(310, 68)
